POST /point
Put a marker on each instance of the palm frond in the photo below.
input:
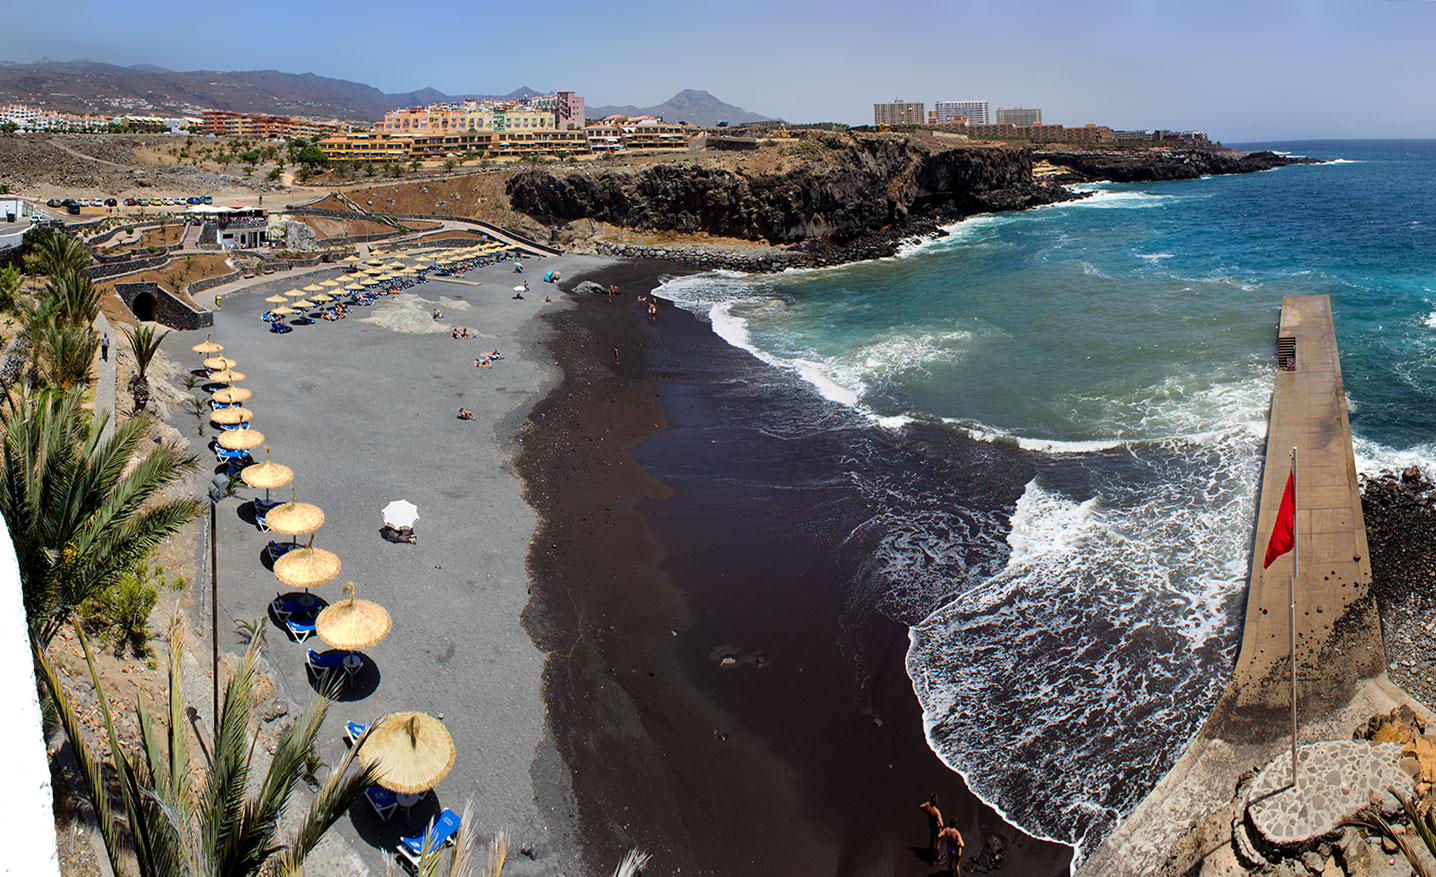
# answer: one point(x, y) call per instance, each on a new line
point(339, 794)
point(633, 862)
point(90, 767)
point(221, 798)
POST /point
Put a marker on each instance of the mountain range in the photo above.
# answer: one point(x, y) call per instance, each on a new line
point(84, 86)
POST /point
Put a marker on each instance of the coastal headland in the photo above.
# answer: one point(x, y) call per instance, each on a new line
point(831, 198)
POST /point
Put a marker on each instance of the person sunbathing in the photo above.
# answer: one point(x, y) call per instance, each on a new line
point(465, 414)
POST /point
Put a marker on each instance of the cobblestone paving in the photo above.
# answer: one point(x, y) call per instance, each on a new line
point(1335, 778)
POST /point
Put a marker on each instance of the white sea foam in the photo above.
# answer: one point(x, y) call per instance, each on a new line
point(1102, 620)
point(1343, 161)
point(1430, 321)
point(1373, 458)
point(1154, 257)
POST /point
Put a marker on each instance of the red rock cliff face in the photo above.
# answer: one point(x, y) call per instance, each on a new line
point(845, 187)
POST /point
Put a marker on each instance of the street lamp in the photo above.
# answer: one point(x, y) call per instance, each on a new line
point(218, 487)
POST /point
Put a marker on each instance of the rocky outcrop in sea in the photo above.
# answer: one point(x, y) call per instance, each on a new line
point(1144, 165)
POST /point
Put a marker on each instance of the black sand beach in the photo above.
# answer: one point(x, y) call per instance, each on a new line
point(724, 696)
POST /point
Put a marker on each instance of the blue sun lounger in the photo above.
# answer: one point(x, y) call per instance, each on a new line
point(353, 731)
point(300, 629)
point(325, 664)
point(384, 801)
point(440, 833)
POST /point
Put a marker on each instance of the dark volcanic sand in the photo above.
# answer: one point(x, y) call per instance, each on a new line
point(719, 700)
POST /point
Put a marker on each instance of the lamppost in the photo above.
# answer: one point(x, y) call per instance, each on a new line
point(218, 487)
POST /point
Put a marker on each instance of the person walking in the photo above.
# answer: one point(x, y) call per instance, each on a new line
point(934, 825)
point(105, 347)
point(951, 841)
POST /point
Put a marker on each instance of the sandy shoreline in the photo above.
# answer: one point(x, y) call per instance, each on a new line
point(552, 611)
point(719, 704)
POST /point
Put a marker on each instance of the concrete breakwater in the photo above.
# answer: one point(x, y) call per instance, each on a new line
point(1340, 655)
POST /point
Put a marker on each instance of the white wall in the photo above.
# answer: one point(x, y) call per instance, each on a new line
point(27, 811)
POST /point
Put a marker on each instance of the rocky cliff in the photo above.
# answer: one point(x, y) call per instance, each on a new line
point(834, 196)
point(1143, 165)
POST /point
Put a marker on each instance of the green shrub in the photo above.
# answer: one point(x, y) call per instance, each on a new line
point(123, 609)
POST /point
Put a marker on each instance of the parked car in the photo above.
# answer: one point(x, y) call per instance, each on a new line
point(72, 209)
point(111, 202)
point(194, 200)
point(129, 202)
point(209, 199)
point(53, 202)
point(143, 202)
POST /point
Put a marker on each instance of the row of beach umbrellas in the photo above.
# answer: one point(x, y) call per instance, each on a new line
point(413, 750)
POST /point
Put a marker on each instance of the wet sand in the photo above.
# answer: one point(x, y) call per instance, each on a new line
point(721, 695)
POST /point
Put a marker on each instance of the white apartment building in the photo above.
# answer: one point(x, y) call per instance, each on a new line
point(974, 110)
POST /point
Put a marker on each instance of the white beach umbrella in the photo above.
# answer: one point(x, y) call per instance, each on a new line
point(401, 513)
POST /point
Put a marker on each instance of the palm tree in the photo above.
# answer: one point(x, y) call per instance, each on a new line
point(60, 353)
point(57, 253)
point(143, 345)
point(79, 514)
point(74, 296)
point(188, 822)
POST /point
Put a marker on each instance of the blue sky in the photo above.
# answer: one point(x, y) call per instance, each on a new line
point(1242, 71)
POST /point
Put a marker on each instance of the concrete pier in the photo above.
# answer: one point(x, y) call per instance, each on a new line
point(1338, 632)
point(1186, 823)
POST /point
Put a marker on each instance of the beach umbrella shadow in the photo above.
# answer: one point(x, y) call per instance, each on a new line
point(245, 512)
point(358, 685)
point(384, 835)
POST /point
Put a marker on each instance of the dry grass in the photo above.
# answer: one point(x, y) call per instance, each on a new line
point(325, 227)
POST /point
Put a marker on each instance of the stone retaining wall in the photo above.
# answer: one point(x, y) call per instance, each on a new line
point(102, 239)
point(132, 266)
point(170, 310)
point(212, 282)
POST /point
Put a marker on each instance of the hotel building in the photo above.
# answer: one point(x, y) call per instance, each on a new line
point(899, 112)
point(261, 127)
point(636, 132)
point(1089, 133)
point(948, 111)
point(1022, 117)
point(366, 147)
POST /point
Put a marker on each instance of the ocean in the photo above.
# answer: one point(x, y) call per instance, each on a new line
point(1116, 354)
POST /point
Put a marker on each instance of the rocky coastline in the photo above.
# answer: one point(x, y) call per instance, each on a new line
point(1400, 514)
point(1130, 165)
point(833, 198)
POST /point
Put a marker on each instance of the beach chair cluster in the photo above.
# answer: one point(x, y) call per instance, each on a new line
point(438, 833)
point(375, 279)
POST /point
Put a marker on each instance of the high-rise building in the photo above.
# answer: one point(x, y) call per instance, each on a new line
point(1022, 117)
point(974, 110)
point(899, 112)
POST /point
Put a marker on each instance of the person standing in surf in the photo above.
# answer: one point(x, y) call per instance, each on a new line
point(952, 846)
point(934, 825)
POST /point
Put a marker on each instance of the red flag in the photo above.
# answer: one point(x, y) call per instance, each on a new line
point(1283, 534)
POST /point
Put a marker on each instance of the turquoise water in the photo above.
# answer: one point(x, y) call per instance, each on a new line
point(1126, 339)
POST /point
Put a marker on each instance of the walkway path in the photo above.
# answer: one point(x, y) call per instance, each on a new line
point(105, 377)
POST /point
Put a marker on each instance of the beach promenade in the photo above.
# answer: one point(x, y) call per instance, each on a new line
point(1341, 679)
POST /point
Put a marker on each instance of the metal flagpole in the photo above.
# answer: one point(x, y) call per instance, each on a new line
point(1292, 589)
